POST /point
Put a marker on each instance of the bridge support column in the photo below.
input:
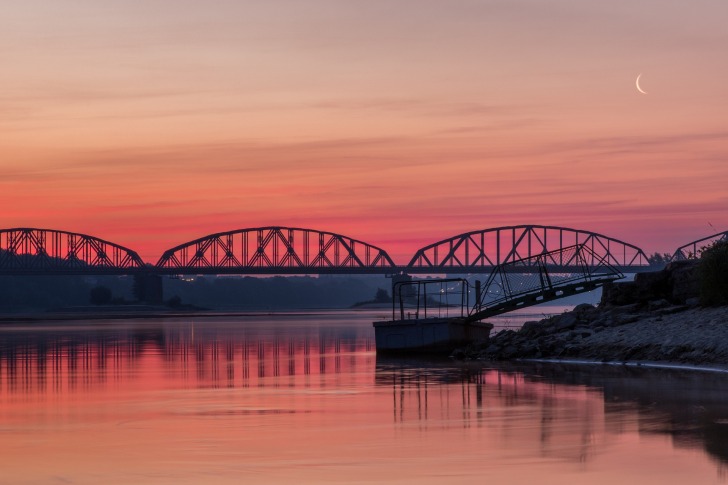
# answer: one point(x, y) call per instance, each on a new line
point(148, 288)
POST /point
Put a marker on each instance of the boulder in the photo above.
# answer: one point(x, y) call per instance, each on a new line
point(677, 283)
point(684, 280)
point(509, 352)
point(694, 301)
point(622, 309)
point(652, 285)
point(657, 304)
point(584, 308)
point(567, 321)
point(492, 349)
point(531, 328)
point(618, 294)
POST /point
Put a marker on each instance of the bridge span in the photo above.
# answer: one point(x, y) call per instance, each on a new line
point(296, 251)
point(30, 251)
point(279, 250)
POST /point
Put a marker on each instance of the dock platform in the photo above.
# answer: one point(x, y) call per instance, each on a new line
point(428, 334)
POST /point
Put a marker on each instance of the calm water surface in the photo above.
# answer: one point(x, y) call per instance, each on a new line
point(305, 399)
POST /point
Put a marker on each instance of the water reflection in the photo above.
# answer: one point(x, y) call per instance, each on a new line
point(320, 377)
point(573, 403)
point(689, 407)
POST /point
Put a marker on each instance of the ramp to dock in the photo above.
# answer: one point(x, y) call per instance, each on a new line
point(539, 279)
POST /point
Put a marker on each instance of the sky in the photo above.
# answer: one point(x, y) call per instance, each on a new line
point(397, 122)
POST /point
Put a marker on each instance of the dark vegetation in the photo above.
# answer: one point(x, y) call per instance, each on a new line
point(278, 292)
point(40, 293)
point(381, 296)
point(33, 293)
point(100, 295)
point(659, 259)
point(713, 274)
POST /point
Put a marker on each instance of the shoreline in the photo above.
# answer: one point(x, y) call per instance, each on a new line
point(161, 313)
point(718, 369)
point(656, 319)
point(660, 335)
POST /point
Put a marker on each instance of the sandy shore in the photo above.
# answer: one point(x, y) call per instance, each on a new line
point(668, 334)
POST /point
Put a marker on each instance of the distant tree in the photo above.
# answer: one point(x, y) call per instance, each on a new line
point(100, 295)
point(174, 302)
point(713, 272)
point(381, 295)
point(658, 259)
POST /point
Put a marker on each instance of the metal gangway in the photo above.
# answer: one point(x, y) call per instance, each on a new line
point(510, 286)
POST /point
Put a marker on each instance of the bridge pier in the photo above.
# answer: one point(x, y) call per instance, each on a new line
point(148, 288)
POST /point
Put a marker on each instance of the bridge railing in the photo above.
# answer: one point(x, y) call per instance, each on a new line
point(430, 298)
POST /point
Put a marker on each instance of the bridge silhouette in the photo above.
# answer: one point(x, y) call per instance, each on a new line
point(537, 250)
point(297, 251)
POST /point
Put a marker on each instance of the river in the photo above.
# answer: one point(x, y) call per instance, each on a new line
point(303, 398)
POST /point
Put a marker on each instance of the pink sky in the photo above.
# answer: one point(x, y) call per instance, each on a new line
point(395, 122)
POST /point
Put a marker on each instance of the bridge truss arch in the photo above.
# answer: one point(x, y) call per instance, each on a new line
point(693, 249)
point(275, 250)
point(28, 251)
point(480, 251)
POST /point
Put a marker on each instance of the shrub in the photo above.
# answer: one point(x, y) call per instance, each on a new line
point(382, 295)
point(658, 259)
point(174, 302)
point(100, 295)
point(713, 272)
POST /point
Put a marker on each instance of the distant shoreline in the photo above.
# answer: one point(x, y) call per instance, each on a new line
point(150, 312)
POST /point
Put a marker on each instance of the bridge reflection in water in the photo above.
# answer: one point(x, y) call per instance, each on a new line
point(326, 367)
point(62, 359)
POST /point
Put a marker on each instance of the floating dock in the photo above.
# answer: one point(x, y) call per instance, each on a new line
point(428, 334)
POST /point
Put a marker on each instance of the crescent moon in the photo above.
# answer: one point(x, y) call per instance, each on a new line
point(637, 83)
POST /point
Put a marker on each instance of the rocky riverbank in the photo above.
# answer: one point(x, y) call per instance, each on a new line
point(655, 318)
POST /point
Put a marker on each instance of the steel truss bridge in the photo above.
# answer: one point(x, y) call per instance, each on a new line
point(296, 251)
point(276, 250)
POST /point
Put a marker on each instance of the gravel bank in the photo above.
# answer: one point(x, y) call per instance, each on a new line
point(677, 334)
